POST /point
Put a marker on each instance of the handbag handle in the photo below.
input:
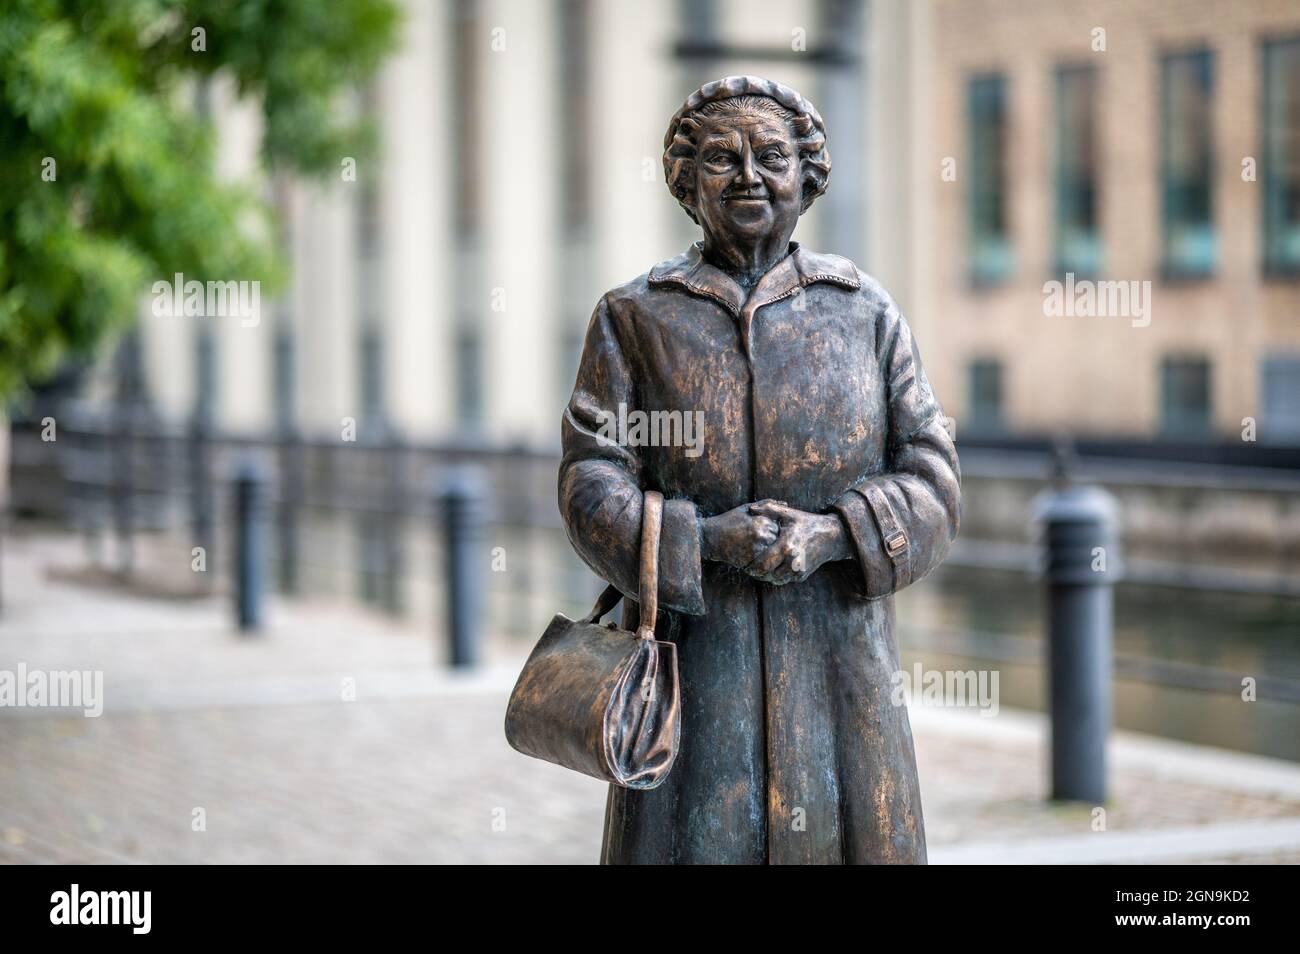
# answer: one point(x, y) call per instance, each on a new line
point(652, 516)
point(652, 522)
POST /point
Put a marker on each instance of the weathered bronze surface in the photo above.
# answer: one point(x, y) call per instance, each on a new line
point(826, 481)
point(599, 700)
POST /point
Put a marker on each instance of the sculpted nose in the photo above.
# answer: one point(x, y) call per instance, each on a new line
point(748, 174)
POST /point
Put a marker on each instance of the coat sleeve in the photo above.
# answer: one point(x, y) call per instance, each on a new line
point(903, 520)
point(601, 482)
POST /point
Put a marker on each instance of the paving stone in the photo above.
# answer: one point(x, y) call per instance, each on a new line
point(255, 733)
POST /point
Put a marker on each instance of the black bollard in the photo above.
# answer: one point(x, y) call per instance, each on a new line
point(291, 494)
point(202, 520)
point(1081, 566)
point(393, 527)
point(466, 555)
point(250, 546)
point(122, 445)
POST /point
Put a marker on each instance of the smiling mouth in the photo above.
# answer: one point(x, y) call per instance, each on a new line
point(745, 198)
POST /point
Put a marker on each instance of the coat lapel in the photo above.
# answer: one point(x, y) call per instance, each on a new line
point(697, 276)
point(798, 269)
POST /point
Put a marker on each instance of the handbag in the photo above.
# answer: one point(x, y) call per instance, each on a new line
point(601, 700)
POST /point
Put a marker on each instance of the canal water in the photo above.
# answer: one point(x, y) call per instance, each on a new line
point(1186, 661)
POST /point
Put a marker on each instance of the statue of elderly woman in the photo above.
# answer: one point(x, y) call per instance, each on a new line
point(825, 483)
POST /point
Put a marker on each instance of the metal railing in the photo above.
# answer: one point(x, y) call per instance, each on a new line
point(394, 519)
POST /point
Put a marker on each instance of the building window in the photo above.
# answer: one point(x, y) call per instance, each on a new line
point(575, 116)
point(467, 155)
point(986, 397)
point(1185, 398)
point(990, 246)
point(283, 384)
point(1078, 242)
point(369, 287)
point(573, 43)
point(205, 376)
point(1280, 399)
point(1281, 156)
point(469, 377)
point(466, 106)
point(372, 378)
point(368, 220)
point(1186, 164)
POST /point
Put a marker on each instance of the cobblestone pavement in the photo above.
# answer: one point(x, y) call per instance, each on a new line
point(334, 739)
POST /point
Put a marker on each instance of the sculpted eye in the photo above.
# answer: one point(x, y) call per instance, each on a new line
point(773, 157)
point(720, 160)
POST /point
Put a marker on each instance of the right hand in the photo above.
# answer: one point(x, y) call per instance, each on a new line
point(738, 537)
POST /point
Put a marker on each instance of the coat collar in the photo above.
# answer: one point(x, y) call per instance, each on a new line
point(798, 269)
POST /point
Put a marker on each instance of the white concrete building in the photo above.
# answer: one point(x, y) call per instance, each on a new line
point(446, 291)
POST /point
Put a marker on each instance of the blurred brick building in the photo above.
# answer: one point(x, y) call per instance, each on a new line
point(1150, 142)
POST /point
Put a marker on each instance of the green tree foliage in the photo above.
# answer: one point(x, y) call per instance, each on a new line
point(106, 173)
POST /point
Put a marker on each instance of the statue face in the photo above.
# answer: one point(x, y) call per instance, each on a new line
point(748, 179)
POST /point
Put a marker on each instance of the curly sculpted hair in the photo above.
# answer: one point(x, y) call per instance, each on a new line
point(745, 94)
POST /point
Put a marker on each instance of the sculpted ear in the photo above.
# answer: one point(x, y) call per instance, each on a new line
point(816, 172)
point(679, 164)
point(685, 192)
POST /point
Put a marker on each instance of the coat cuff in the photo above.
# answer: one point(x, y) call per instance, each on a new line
point(681, 581)
point(868, 543)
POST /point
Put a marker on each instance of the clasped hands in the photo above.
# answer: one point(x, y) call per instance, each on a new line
point(774, 542)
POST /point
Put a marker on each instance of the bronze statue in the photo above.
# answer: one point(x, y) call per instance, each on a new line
point(825, 482)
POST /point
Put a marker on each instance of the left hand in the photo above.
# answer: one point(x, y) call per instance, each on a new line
point(806, 541)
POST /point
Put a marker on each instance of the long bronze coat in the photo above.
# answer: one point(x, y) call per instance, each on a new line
point(812, 393)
